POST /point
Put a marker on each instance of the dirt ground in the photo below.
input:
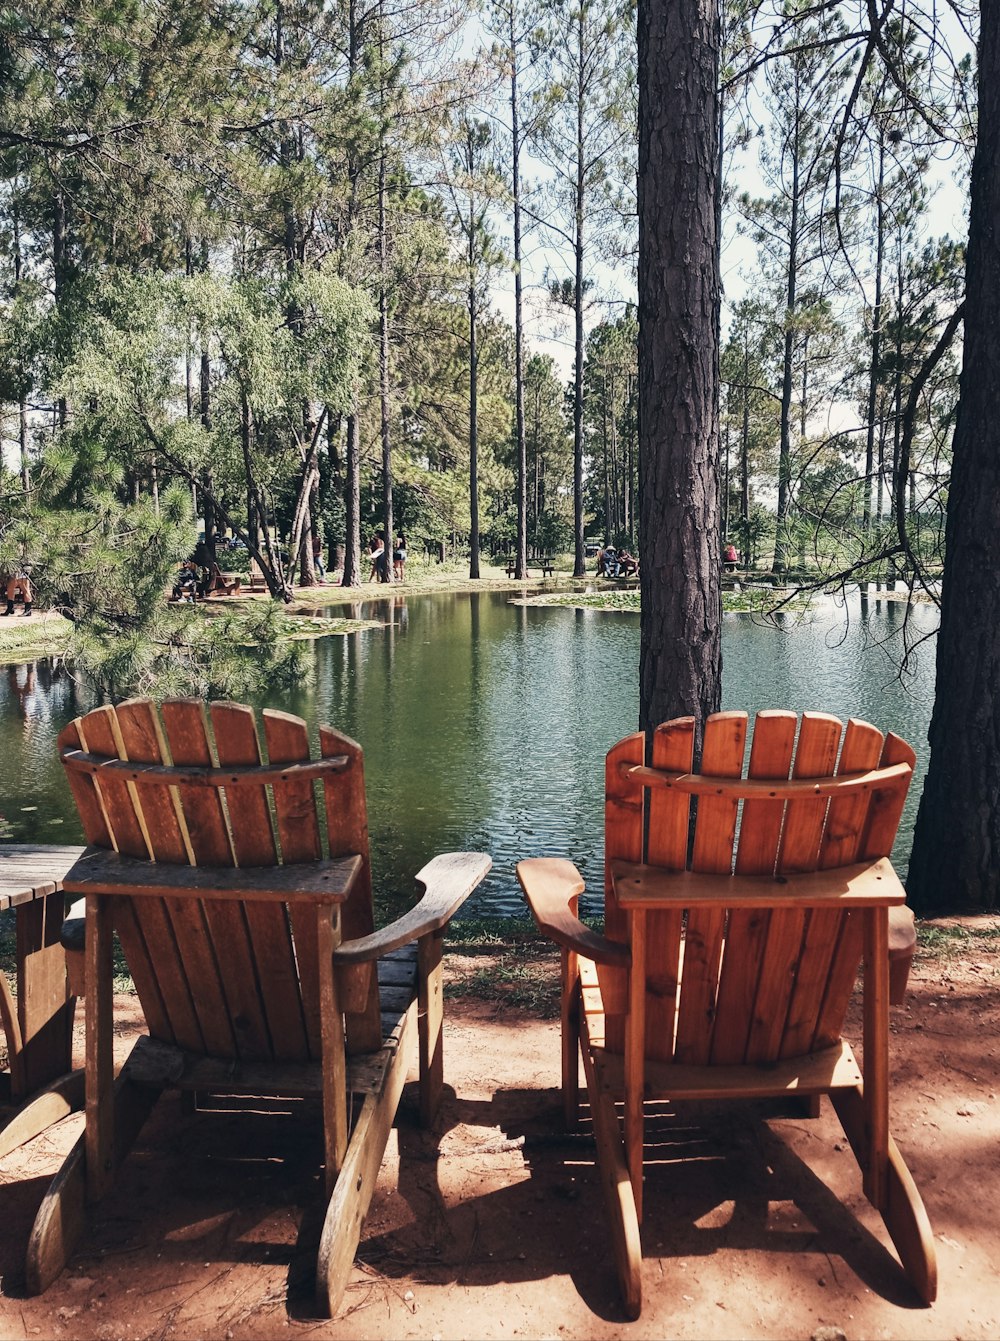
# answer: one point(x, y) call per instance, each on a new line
point(492, 1226)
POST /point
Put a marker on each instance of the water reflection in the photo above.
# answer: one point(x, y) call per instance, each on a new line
point(484, 723)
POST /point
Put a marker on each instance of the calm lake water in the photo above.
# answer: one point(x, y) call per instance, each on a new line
point(485, 723)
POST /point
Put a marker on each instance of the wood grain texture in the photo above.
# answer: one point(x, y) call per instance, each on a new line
point(666, 846)
point(715, 833)
point(624, 808)
point(747, 932)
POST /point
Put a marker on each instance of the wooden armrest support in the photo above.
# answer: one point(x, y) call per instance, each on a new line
point(551, 884)
point(101, 872)
point(448, 880)
point(864, 885)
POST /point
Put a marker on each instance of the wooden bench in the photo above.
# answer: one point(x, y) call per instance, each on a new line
point(545, 564)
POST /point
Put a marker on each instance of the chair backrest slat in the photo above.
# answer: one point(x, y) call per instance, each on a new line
point(815, 757)
point(886, 807)
point(845, 821)
point(667, 845)
point(624, 813)
point(299, 836)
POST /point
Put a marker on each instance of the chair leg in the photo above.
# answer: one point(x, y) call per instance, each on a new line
point(430, 1024)
point(569, 1009)
point(60, 1222)
point(616, 1186)
point(56, 1101)
point(352, 1193)
point(62, 1216)
point(903, 1212)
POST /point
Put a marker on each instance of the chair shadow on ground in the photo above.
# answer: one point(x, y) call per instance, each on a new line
point(521, 1203)
point(717, 1177)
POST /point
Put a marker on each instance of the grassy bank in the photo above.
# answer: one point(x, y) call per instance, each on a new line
point(45, 634)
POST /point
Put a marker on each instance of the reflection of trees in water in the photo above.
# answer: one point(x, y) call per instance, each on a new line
point(40, 690)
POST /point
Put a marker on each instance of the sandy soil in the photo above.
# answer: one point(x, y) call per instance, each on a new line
point(493, 1227)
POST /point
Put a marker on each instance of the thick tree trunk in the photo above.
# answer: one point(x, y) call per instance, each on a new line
point(956, 848)
point(680, 668)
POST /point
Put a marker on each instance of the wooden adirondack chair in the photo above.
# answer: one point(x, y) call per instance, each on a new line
point(253, 954)
point(728, 959)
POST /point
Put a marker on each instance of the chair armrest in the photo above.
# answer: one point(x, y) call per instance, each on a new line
point(448, 880)
point(551, 885)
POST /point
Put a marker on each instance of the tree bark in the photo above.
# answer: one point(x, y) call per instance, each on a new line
point(384, 353)
point(680, 667)
point(956, 849)
point(579, 563)
point(521, 553)
point(473, 414)
point(352, 502)
point(785, 435)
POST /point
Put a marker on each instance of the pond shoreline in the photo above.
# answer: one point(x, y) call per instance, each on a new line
point(49, 634)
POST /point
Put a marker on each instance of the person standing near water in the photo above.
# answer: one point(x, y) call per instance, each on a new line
point(399, 557)
point(377, 554)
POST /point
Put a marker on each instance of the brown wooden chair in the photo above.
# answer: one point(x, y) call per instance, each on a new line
point(240, 892)
point(730, 952)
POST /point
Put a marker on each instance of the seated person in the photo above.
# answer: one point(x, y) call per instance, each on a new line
point(628, 566)
point(186, 586)
point(19, 586)
point(607, 562)
point(730, 555)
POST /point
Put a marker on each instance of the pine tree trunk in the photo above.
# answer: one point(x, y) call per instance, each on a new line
point(473, 424)
point(956, 850)
point(680, 666)
point(352, 502)
point(875, 365)
point(383, 330)
point(521, 553)
point(579, 563)
point(785, 431)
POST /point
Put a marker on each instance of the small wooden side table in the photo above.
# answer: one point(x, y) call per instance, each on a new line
point(39, 1026)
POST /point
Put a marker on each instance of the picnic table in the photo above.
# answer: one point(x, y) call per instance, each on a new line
point(544, 563)
point(39, 1026)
